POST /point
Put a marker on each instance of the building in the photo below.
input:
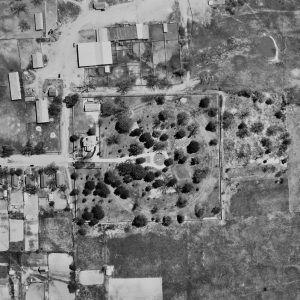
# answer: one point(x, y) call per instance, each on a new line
point(100, 4)
point(14, 181)
point(165, 31)
point(90, 106)
point(59, 178)
point(42, 114)
point(94, 54)
point(37, 60)
point(52, 91)
point(89, 143)
point(129, 32)
point(216, 2)
point(15, 86)
point(39, 21)
point(102, 35)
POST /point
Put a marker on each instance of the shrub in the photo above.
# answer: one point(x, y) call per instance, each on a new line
point(89, 185)
point(159, 146)
point(213, 142)
point(146, 136)
point(74, 138)
point(241, 133)
point(149, 177)
point(266, 143)
point(30, 189)
point(123, 124)
point(180, 219)
point(136, 132)
point(114, 139)
point(163, 115)
point(135, 149)
point(159, 99)
point(188, 187)
point(199, 175)
point(158, 183)
point(163, 137)
point(199, 211)
point(7, 150)
point(180, 134)
point(257, 127)
point(193, 147)
point(212, 112)
point(181, 202)
point(98, 212)
point(172, 182)
point(86, 215)
point(168, 162)
point(140, 160)
point(166, 221)
point(82, 231)
point(204, 103)
point(182, 119)
point(227, 120)
point(211, 126)
point(215, 210)
point(139, 221)
point(151, 81)
point(39, 148)
point(51, 169)
point(193, 129)
point(102, 189)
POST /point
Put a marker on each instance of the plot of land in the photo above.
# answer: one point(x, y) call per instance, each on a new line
point(31, 228)
point(36, 291)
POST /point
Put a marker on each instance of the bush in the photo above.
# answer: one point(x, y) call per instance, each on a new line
point(122, 192)
point(150, 176)
point(188, 187)
point(124, 85)
point(123, 124)
point(193, 147)
point(213, 142)
point(71, 100)
point(227, 120)
point(80, 222)
point(135, 149)
point(180, 134)
point(30, 189)
point(163, 115)
point(149, 143)
point(212, 112)
point(136, 132)
point(163, 137)
point(140, 160)
point(74, 175)
point(168, 162)
point(102, 189)
point(159, 99)
point(172, 182)
point(98, 212)
point(241, 133)
point(54, 109)
point(166, 221)
point(266, 143)
point(257, 127)
point(114, 139)
point(158, 183)
point(279, 115)
point(39, 148)
point(74, 138)
point(181, 202)
point(82, 231)
point(199, 175)
point(204, 103)
point(89, 185)
point(211, 126)
point(193, 129)
point(180, 219)
point(146, 136)
point(74, 192)
point(215, 210)
point(91, 131)
point(182, 119)
point(139, 221)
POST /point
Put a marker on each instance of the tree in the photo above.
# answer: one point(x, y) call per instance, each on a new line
point(79, 164)
point(39, 148)
point(149, 143)
point(182, 119)
point(24, 25)
point(227, 119)
point(164, 83)
point(150, 176)
point(193, 129)
point(98, 212)
point(124, 85)
point(215, 210)
point(181, 202)
point(146, 136)
point(74, 175)
point(123, 124)
point(82, 231)
point(164, 137)
point(87, 216)
point(71, 100)
point(180, 219)
point(168, 162)
point(140, 160)
point(211, 126)
point(151, 81)
point(114, 139)
point(89, 185)
point(166, 221)
point(37, 2)
point(54, 109)
point(163, 115)
point(172, 182)
point(74, 138)
point(204, 103)
point(213, 142)
point(17, 8)
point(138, 172)
point(135, 149)
point(199, 211)
point(158, 183)
point(122, 192)
point(30, 189)
point(136, 132)
point(80, 222)
point(102, 189)
point(7, 150)
point(180, 134)
point(93, 222)
point(27, 149)
point(62, 188)
point(212, 112)
point(51, 169)
point(74, 192)
point(158, 146)
point(193, 147)
point(188, 187)
point(19, 172)
point(139, 221)
point(91, 131)
point(257, 127)
point(159, 99)
point(199, 175)
point(112, 178)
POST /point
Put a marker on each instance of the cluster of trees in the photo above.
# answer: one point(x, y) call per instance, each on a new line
point(113, 108)
point(93, 217)
point(30, 189)
point(71, 100)
point(7, 150)
point(153, 81)
point(123, 124)
point(29, 149)
point(55, 107)
point(124, 85)
point(232, 5)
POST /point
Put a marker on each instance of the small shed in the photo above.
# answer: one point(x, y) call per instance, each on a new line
point(91, 106)
point(52, 91)
point(37, 60)
point(15, 86)
point(42, 114)
point(59, 178)
point(39, 21)
point(100, 4)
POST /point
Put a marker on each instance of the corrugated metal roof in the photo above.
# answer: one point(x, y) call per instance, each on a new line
point(37, 60)
point(39, 22)
point(42, 114)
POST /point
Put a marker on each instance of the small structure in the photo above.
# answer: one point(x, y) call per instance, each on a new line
point(52, 91)
point(89, 143)
point(100, 4)
point(14, 181)
point(39, 21)
point(59, 178)
point(216, 2)
point(14, 85)
point(37, 60)
point(102, 34)
point(109, 270)
point(42, 114)
point(43, 180)
point(107, 69)
point(129, 32)
point(90, 106)
point(94, 54)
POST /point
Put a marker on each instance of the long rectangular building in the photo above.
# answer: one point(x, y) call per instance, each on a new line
point(15, 86)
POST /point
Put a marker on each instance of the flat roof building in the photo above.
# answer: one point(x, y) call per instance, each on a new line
point(129, 32)
point(90, 106)
point(39, 21)
point(100, 4)
point(52, 91)
point(165, 31)
point(59, 178)
point(42, 114)
point(94, 54)
point(37, 60)
point(15, 86)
